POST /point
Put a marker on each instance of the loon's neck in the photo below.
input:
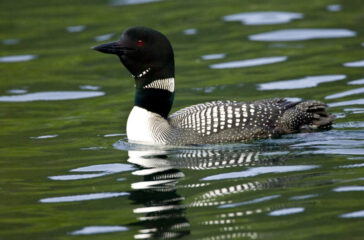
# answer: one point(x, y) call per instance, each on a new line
point(155, 96)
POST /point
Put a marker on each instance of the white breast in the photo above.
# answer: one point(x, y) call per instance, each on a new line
point(146, 126)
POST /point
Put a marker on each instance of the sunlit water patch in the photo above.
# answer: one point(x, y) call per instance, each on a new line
point(190, 31)
point(349, 125)
point(131, 2)
point(347, 103)
point(303, 197)
point(333, 8)
point(89, 87)
point(51, 96)
point(114, 135)
point(349, 189)
point(302, 34)
point(104, 37)
point(286, 211)
point(355, 64)
point(354, 110)
point(213, 56)
point(98, 171)
point(45, 136)
point(357, 82)
point(339, 115)
point(356, 165)
point(346, 93)
point(17, 91)
point(251, 172)
point(248, 62)
point(17, 58)
point(263, 18)
point(83, 197)
point(99, 229)
point(339, 151)
point(73, 29)
point(93, 148)
point(306, 82)
point(357, 214)
point(10, 41)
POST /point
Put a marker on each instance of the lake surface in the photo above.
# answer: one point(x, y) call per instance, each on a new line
point(67, 170)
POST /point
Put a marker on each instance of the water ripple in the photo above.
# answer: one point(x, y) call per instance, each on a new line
point(349, 125)
point(51, 96)
point(17, 58)
point(357, 82)
point(249, 62)
point(190, 31)
point(102, 169)
point(349, 189)
point(78, 28)
point(17, 91)
point(334, 8)
point(302, 34)
point(83, 197)
point(306, 82)
point(303, 197)
point(346, 93)
point(89, 87)
point(357, 214)
point(347, 103)
point(213, 56)
point(99, 229)
point(263, 18)
point(355, 64)
point(287, 211)
point(356, 165)
point(251, 172)
point(104, 37)
point(45, 136)
point(114, 135)
point(338, 151)
point(257, 200)
point(11, 41)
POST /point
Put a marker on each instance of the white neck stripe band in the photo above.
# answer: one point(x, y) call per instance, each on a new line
point(164, 84)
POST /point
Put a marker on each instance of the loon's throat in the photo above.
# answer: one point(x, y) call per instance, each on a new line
point(155, 96)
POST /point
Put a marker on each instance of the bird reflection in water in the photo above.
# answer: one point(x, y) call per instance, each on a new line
point(163, 214)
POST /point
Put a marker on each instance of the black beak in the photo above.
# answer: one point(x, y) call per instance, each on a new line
point(113, 48)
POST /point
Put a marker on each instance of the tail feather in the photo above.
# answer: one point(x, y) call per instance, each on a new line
point(307, 116)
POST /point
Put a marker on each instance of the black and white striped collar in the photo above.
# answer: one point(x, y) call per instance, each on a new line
point(163, 84)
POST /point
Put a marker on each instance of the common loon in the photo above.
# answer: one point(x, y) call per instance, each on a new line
point(148, 55)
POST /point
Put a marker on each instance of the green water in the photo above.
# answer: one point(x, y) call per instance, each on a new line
point(78, 176)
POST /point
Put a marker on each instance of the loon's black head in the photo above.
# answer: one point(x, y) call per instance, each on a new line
point(146, 53)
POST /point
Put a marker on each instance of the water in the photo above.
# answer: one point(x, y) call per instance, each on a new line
point(306, 82)
point(51, 96)
point(357, 82)
point(68, 172)
point(17, 58)
point(301, 34)
point(354, 64)
point(74, 29)
point(263, 18)
point(248, 62)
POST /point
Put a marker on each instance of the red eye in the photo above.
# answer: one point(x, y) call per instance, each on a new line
point(140, 43)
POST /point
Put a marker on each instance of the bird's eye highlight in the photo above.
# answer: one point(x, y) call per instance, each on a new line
point(140, 43)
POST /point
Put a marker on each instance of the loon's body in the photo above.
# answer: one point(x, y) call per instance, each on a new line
point(148, 55)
